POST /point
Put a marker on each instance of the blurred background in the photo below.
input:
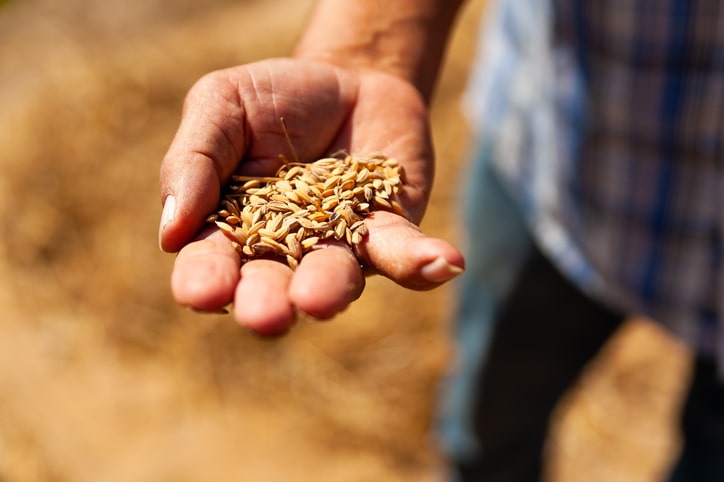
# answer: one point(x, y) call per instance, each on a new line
point(103, 378)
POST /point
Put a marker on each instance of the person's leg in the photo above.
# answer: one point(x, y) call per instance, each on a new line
point(497, 245)
point(702, 427)
point(545, 332)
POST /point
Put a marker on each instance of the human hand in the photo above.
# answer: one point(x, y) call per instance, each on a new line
point(231, 125)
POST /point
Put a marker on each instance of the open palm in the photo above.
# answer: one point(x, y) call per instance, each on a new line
point(231, 124)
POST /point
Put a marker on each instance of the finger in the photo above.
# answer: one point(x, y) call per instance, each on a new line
point(206, 272)
point(208, 145)
point(397, 249)
point(327, 281)
point(261, 302)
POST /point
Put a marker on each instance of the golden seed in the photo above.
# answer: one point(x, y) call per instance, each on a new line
point(266, 233)
point(278, 206)
point(258, 214)
point(261, 248)
point(382, 202)
point(387, 188)
point(348, 215)
point(362, 175)
point(256, 227)
point(340, 228)
point(286, 215)
point(292, 196)
point(251, 183)
point(277, 246)
point(224, 227)
point(295, 247)
point(332, 181)
point(362, 230)
point(309, 242)
point(348, 185)
point(348, 194)
point(397, 208)
point(275, 223)
point(284, 185)
point(294, 171)
point(318, 216)
point(246, 218)
point(330, 203)
point(369, 194)
point(306, 223)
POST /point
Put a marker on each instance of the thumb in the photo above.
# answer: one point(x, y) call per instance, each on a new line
point(205, 150)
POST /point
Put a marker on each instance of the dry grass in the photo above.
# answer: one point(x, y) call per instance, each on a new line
point(103, 378)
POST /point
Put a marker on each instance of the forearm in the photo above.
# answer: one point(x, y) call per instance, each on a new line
point(406, 38)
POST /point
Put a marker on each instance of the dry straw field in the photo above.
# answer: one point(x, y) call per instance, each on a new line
point(104, 379)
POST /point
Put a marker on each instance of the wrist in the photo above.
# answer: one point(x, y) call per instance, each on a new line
point(405, 38)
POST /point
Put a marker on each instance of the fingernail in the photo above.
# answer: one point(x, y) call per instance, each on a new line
point(440, 271)
point(169, 210)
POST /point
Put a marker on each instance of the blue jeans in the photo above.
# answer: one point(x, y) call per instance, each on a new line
point(702, 427)
point(497, 243)
point(524, 334)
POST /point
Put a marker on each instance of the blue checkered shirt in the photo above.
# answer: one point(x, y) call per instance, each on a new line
point(606, 122)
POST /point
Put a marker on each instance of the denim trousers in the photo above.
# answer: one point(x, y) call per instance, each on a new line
point(524, 334)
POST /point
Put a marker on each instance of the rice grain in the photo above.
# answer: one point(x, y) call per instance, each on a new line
point(283, 217)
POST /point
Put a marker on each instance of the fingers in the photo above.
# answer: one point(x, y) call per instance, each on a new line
point(397, 249)
point(266, 294)
point(206, 272)
point(327, 281)
point(206, 277)
point(269, 295)
point(262, 302)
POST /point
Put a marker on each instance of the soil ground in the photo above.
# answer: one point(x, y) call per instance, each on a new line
point(104, 379)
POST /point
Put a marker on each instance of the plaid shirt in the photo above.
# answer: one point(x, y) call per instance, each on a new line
point(606, 122)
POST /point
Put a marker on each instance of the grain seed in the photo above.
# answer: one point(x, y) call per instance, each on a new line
point(285, 216)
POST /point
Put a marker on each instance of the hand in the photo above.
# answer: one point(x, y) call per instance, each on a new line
point(231, 124)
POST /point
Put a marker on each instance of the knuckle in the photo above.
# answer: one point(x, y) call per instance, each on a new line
point(213, 87)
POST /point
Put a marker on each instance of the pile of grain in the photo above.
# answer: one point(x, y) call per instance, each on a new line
point(285, 216)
